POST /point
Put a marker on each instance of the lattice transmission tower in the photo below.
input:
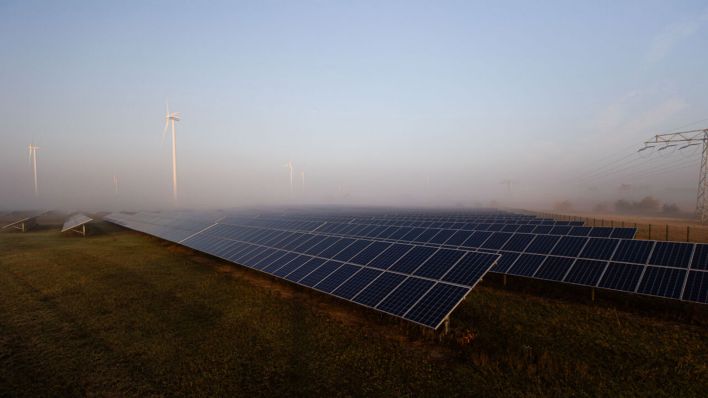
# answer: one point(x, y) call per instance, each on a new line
point(688, 139)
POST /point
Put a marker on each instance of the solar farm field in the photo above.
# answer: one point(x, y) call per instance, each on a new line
point(122, 313)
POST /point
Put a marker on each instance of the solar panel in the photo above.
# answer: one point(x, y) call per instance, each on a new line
point(696, 287)
point(554, 268)
point(660, 281)
point(75, 221)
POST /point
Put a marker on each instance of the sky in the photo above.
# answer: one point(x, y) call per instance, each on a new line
point(404, 103)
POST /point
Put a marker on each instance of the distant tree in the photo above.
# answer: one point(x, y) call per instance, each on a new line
point(623, 206)
point(670, 208)
point(564, 205)
point(647, 205)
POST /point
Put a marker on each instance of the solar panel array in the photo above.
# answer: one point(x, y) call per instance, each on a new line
point(421, 284)
point(599, 257)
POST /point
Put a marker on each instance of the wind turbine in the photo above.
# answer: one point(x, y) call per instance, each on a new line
point(33, 159)
point(302, 177)
point(173, 117)
point(289, 165)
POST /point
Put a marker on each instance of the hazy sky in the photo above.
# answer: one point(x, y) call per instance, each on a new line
point(381, 102)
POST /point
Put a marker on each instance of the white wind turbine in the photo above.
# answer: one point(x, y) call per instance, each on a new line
point(289, 165)
point(33, 159)
point(173, 117)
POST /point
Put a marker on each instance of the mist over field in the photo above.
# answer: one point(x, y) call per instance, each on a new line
point(405, 104)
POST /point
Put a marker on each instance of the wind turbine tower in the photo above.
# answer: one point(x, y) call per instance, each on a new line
point(33, 159)
point(289, 165)
point(172, 117)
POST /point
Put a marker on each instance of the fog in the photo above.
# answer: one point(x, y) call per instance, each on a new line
point(403, 104)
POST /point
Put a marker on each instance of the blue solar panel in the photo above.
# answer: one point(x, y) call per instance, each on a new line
point(696, 287)
point(291, 266)
point(321, 246)
point(586, 272)
point(357, 283)
point(518, 242)
point(412, 260)
point(352, 250)
point(439, 264)
point(671, 254)
point(510, 228)
point(434, 306)
point(700, 257)
point(337, 247)
point(442, 236)
point(405, 295)
point(569, 246)
point(320, 273)
point(600, 232)
point(426, 235)
point(378, 289)
point(526, 265)
point(554, 268)
point(659, 281)
point(277, 262)
point(336, 278)
point(542, 229)
point(476, 239)
point(505, 262)
point(526, 228)
point(370, 252)
point(412, 234)
point(303, 270)
point(560, 230)
point(633, 251)
point(386, 259)
point(624, 233)
point(543, 244)
point(469, 269)
point(398, 235)
point(599, 248)
point(496, 240)
point(458, 238)
point(580, 231)
point(621, 277)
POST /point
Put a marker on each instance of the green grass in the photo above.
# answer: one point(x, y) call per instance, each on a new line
point(123, 314)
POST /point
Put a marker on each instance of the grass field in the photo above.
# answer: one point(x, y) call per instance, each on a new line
point(123, 314)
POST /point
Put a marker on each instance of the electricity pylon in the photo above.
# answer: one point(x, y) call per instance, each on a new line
point(688, 139)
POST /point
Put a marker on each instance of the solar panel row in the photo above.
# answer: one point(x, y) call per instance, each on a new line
point(444, 233)
point(627, 265)
point(419, 284)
